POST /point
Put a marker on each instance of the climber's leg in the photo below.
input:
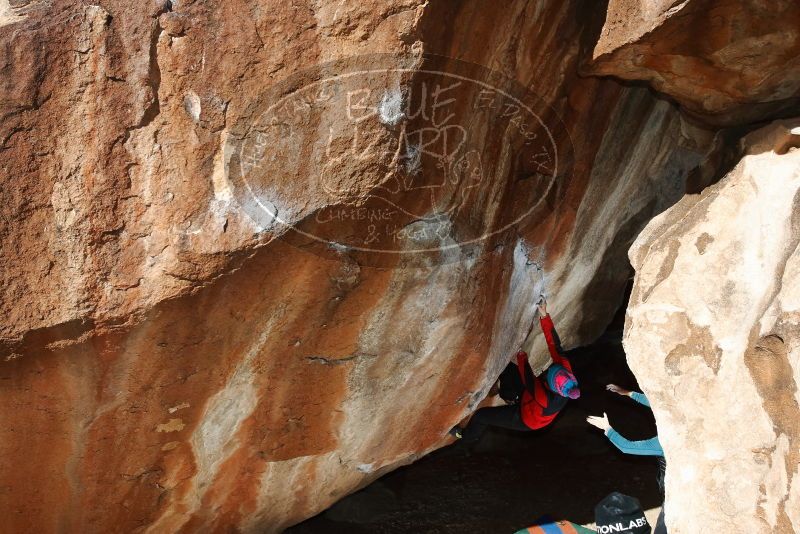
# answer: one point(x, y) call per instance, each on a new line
point(499, 416)
point(511, 386)
point(660, 526)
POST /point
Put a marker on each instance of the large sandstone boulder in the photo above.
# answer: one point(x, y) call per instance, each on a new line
point(713, 335)
point(727, 61)
point(178, 354)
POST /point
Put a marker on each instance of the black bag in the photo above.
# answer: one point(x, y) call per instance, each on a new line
point(620, 514)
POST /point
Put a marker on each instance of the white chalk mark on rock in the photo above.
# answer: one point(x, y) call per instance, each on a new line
point(365, 468)
point(191, 103)
point(390, 109)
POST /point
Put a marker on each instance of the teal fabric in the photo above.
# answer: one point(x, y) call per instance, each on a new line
point(551, 528)
point(646, 447)
point(640, 398)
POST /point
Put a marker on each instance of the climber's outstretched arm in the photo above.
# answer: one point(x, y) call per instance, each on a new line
point(646, 447)
point(525, 371)
point(551, 336)
point(635, 395)
point(640, 398)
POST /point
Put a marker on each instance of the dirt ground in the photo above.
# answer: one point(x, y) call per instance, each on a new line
point(511, 479)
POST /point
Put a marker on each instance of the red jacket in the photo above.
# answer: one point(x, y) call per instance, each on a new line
point(539, 406)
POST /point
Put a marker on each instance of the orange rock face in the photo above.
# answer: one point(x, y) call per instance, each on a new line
point(196, 334)
point(728, 62)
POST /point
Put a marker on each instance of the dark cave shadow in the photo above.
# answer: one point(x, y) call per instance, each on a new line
point(512, 479)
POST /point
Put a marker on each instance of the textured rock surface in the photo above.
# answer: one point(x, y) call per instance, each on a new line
point(729, 61)
point(168, 365)
point(713, 333)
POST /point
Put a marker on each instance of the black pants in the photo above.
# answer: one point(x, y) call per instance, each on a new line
point(661, 528)
point(511, 388)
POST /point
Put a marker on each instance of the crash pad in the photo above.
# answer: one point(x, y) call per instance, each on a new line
point(556, 527)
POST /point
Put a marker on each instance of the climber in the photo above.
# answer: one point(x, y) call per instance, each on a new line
point(532, 402)
point(647, 447)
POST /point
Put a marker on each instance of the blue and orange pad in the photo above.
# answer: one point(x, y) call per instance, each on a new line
point(548, 526)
